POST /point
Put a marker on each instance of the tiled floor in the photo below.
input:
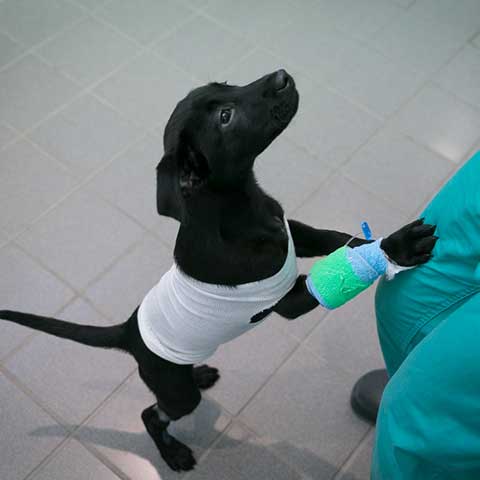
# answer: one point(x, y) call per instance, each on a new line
point(390, 108)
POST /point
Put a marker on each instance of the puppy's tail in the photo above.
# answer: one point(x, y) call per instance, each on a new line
point(106, 337)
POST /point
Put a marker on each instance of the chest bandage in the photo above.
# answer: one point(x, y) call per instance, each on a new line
point(185, 320)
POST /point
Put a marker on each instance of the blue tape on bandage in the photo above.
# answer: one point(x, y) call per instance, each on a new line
point(366, 231)
point(368, 261)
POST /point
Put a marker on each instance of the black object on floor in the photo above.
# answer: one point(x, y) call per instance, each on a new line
point(367, 393)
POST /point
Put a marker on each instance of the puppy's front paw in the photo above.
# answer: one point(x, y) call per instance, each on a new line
point(411, 245)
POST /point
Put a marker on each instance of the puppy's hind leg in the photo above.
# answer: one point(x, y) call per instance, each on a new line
point(177, 396)
point(177, 455)
point(205, 376)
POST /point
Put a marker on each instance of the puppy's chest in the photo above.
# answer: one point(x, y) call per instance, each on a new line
point(271, 236)
point(263, 247)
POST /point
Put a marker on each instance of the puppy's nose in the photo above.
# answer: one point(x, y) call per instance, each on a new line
point(281, 79)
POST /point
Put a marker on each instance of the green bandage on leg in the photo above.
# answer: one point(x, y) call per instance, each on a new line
point(342, 275)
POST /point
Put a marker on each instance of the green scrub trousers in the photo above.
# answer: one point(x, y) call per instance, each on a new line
point(428, 323)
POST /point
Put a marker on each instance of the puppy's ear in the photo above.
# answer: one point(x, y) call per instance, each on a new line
point(169, 202)
point(192, 166)
point(179, 175)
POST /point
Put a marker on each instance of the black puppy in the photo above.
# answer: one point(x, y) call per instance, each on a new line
point(231, 233)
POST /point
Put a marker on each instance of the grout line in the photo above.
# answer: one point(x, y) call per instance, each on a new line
point(81, 183)
point(29, 50)
point(72, 431)
point(103, 459)
point(436, 83)
point(33, 397)
point(346, 463)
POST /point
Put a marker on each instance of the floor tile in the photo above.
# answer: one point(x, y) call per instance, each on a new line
point(358, 467)
point(72, 52)
point(398, 170)
point(20, 421)
point(461, 15)
point(146, 90)
point(358, 19)
point(476, 41)
point(462, 75)
point(9, 49)
point(315, 46)
point(227, 459)
point(32, 21)
point(194, 47)
point(30, 90)
point(304, 415)
point(300, 327)
point(382, 93)
point(255, 19)
point(30, 184)
point(28, 288)
point(86, 135)
point(91, 4)
point(80, 237)
point(247, 362)
point(347, 337)
point(440, 121)
point(71, 379)
point(120, 290)
point(332, 128)
point(404, 3)
point(199, 4)
point(260, 63)
point(421, 44)
point(130, 183)
point(118, 433)
point(343, 205)
point(144, 20)
point(6, 135)
point(167, 229)
point(289, 173)
point(74, 462)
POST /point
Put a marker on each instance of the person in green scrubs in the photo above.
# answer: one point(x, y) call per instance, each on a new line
point(428, 319)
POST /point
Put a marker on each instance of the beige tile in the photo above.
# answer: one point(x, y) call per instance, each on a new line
point(461, 76)
point(30, 90)
point(30, 184)
point(74, 462)
point(32, 21)
point(146, 90)
point(441, 122)
point(72, 52)
point(343, 205)
point(144, 20)
point(81, 237)
point(22, 443)
point(118, 433)
point(28, 288)
point(398, 170)
point(70, 378)
point(420, 43)
point(303, 413)
point(86, 135)
point(194, 48)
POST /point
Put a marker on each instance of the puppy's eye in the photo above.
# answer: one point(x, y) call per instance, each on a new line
point(225, 116)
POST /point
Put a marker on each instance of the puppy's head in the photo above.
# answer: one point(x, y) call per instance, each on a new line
point(215, 133)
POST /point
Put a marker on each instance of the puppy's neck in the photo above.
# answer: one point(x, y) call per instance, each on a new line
point(232, 237)
point(211, 203)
